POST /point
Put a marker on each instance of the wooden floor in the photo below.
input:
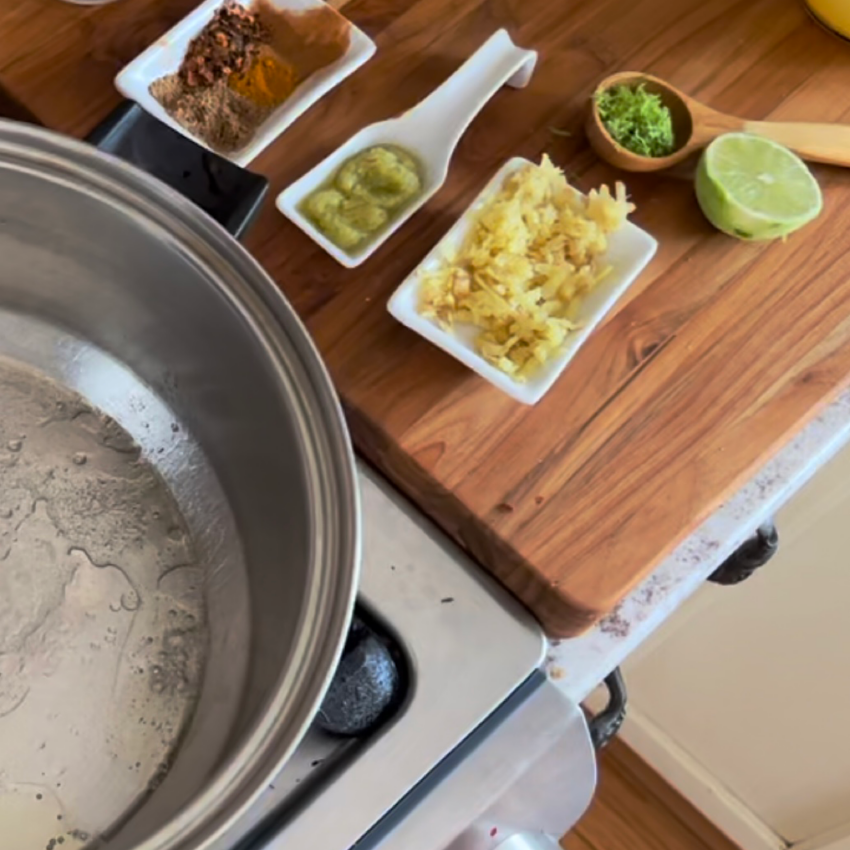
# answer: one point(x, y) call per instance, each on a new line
point(635, 809)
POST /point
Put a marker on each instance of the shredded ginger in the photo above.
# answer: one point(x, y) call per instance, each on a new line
point(532, 252)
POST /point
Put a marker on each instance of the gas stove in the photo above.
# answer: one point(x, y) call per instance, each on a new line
point(472, 747)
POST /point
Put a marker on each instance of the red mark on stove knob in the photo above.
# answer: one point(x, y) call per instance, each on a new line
point(494, 832)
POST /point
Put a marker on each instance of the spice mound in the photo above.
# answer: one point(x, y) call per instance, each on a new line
point(365, 195)
point(243, 65)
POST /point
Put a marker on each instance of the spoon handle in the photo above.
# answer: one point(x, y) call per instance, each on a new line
point(446, 113)
point(828, 143)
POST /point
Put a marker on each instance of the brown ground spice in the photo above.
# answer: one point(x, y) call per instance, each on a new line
point(215, 114)
point(310, 39)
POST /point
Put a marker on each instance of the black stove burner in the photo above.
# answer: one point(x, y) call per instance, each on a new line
point(368, 685)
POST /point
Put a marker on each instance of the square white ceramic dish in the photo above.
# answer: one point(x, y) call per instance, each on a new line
point(629, 251)
point(166, 53)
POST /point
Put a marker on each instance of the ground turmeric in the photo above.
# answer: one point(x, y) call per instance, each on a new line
point(268, 82)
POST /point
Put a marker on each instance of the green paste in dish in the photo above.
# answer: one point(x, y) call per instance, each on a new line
point(365, 195)
point(637, 119)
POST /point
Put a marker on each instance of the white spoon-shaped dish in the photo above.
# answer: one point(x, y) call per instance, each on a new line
point(430, 131)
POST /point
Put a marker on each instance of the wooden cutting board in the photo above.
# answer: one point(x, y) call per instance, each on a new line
point(719, 354)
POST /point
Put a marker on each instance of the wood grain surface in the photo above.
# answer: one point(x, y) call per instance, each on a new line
point(720, 352)
point(635, 809)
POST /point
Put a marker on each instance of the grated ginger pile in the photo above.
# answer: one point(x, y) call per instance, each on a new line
point(530, 255)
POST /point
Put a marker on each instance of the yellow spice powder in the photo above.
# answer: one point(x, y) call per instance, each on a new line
point(268, 82)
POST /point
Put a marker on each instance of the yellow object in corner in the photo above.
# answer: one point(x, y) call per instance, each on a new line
point(834, 14)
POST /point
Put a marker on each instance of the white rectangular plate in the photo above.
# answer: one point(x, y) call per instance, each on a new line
point(166, 53)
point(629, 251)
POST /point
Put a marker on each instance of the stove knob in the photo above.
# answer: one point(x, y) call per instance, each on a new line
point(364, 686)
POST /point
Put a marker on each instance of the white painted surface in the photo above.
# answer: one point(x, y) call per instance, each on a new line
point(739, 698)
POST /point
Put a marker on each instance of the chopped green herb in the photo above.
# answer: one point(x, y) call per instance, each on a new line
point(637, 120)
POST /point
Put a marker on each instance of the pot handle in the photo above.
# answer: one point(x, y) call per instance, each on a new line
point(229, 194)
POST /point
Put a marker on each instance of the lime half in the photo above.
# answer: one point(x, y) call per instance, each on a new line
point(754, 188)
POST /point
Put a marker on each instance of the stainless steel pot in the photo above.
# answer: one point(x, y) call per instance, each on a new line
point(117, 287)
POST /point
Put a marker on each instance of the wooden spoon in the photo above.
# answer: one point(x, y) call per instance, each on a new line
point(695, 125)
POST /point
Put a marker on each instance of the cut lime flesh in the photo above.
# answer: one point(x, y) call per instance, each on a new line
point(754, 188)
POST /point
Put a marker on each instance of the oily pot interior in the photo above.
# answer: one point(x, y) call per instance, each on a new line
point(119, 314)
